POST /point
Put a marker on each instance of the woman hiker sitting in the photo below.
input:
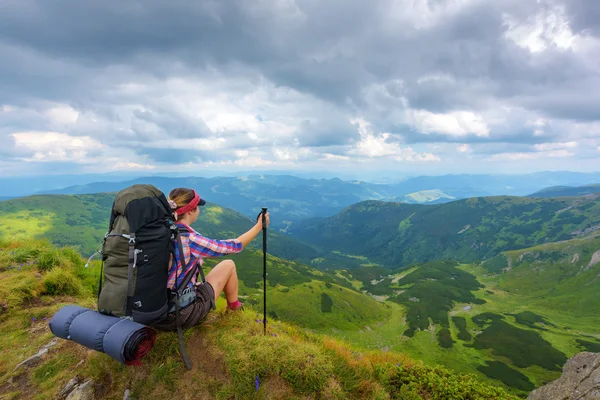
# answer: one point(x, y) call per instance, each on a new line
point(223, 277)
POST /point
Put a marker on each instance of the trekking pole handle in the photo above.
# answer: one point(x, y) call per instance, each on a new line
point(264, 219)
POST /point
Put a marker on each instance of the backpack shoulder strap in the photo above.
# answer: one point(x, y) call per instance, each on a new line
point(177, 292)
point(193, 271)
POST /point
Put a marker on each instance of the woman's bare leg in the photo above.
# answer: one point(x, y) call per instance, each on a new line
point(223, 277)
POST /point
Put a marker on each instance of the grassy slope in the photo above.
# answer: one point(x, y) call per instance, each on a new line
point(557, 276)
point(229, 352)
point(82, 221)
point(396, 234)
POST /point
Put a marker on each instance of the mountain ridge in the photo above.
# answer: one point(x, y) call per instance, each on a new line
point(567, 191)
point(397, 234)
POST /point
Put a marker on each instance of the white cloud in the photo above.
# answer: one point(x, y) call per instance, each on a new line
point(549, 27)
point(55, 146)
point(371, 146)
point(459, 123)
point(292, 154)
point(337, 157)
point(130, 166)
point(378, 146)
point(464, 148)
point(554, 146)
point(250, 162)
point(62, 115)
point(532, 155)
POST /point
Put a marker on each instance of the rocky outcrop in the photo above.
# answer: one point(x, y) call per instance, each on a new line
point(38, 356)
point(83, 391)
point(595, 260)
point(580, 380)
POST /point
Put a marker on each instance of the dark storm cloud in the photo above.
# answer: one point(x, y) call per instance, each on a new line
point(324, 133)
point(168, 124)
point(366, 59)
point(329, 49)
point(175, 156)
point(585, 16)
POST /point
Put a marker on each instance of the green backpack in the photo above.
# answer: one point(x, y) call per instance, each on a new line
point(136, 252)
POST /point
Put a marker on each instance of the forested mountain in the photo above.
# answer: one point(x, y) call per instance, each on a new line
point(397, 234)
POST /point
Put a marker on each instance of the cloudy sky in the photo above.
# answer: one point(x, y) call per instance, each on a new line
point(429, 86)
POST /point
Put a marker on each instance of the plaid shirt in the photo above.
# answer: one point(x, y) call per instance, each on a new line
point(195, 248)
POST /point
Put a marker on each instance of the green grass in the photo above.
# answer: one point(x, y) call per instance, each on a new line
point(229, 352)
point(314, 305)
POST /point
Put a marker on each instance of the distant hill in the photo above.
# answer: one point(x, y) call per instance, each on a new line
point(293, 198)
point(480, 185)
point(82, 220)
point(434, 196)
point(567, 191)
point(288, 197)
point(397, 234)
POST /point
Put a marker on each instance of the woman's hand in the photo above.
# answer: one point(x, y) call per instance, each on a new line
point(255, 230)
point(266, 219)
point(259, 220)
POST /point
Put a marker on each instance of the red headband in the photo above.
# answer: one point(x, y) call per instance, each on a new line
point(190, 206)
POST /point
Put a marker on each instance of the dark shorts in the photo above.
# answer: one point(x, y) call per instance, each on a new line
point(192, 314)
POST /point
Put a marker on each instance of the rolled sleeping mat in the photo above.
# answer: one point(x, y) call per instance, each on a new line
point(122, 339)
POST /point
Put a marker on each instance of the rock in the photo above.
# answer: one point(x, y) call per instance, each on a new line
point(595, 260)
point(127, 395)
point(41, 353)
point(580, 380)
point(467, 308)
point(85, 391)
point(32, 359)
point(69, 387)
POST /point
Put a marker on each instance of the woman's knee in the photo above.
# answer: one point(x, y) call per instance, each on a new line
point(229, 264)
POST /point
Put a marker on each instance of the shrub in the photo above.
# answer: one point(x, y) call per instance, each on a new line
point(326, 303)
point(48, 259)
point(61, 281)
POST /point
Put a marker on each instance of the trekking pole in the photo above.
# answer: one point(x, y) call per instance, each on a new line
point(264, 224)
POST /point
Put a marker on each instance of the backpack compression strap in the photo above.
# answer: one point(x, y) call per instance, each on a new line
point(132, 262)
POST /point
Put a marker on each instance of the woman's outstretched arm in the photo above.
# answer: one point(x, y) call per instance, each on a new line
point(201, 246)
point(253, 232)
